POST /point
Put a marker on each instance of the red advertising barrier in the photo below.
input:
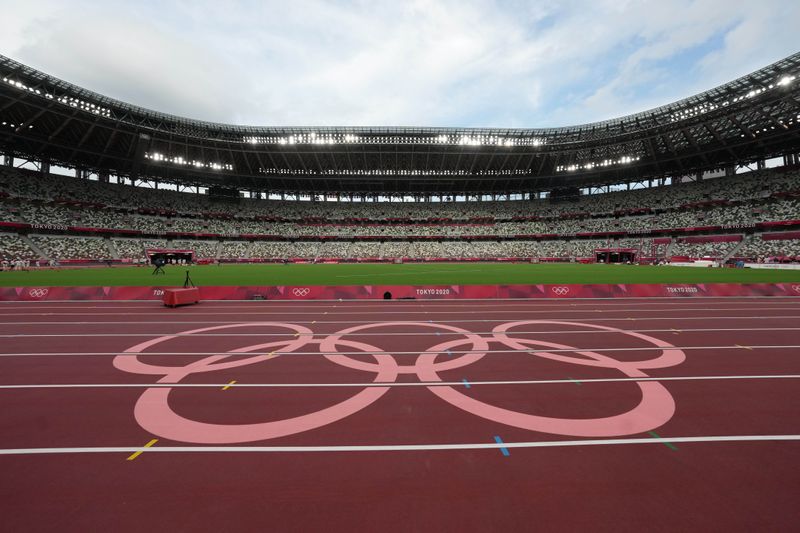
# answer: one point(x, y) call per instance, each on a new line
point(395, 292)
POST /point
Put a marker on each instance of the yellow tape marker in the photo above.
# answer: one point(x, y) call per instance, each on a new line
point(228, 386)
point(745, 347)
point(134, 455)
point(313, 321)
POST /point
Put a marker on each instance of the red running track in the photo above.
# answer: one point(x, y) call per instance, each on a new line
point(491, 415)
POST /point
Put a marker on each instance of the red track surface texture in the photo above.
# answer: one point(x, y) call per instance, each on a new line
point(401, 416)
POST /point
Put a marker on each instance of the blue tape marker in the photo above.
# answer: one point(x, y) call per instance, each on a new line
point(503, 449)
point(466, 383)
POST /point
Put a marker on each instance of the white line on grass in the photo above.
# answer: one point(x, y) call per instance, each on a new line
point(404, 273)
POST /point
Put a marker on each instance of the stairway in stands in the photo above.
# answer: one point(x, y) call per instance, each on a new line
point(33, 246)
point(735, 249)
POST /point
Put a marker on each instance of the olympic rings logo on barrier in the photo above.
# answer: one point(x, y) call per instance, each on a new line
point(155, 414)
point(301, 291)
point(561, 291)
point(796, 288)
point(38, 293)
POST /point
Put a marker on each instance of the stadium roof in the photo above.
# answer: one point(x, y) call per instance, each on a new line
point(754, 117)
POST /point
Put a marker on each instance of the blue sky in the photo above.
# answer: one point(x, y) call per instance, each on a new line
point(539, 63)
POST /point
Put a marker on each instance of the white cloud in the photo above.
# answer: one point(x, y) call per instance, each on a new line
point(417, 62)
point(754, 36)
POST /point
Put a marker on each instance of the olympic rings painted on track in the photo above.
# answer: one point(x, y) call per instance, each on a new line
point(479, 345)
point(154, 414)
point(655, 409)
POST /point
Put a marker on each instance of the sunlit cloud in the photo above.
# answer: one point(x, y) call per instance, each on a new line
point(413, 63)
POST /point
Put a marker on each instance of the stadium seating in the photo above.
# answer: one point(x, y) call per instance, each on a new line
point(755, 248)
point(704, 250)
point(202, 249)
point(270, 229)
point(234, 250)
point(64, 248)
point(136, 248)
point(13, 248)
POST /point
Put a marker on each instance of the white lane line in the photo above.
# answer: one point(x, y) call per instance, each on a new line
point(384, 384)
point(594, 318)
point(367, 304)
point(399, 447)
point(383, 334)
point(406, 312)
point(531, 351)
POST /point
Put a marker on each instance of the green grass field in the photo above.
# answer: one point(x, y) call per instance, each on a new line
point(390, 274)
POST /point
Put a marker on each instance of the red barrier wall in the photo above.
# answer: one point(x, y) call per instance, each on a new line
point(781, 236)
point(427, 292)
point(712, 238)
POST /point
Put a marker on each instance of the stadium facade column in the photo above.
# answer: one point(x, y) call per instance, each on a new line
point(761, 164)
point(730, 170)
point(44, 168)
point(7, 160)
point(699, 176)
point(103, 176)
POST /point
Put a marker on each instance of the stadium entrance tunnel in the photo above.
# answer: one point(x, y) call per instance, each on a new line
point(387, 295)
